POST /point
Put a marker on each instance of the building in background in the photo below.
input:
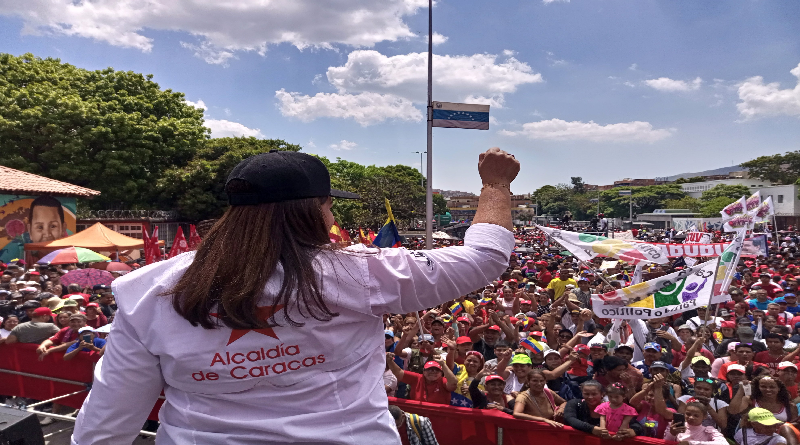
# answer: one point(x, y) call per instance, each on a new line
point(35, 209)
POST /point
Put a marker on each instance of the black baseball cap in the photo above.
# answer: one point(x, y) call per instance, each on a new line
point(282, 176)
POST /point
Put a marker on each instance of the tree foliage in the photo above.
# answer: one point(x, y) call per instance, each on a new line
point(687, 202)
point(712, 207)
point(729, 192)
point(439, 204)
point(781, 169)
point(645, 199)
point(197, 190)
point(112, 131)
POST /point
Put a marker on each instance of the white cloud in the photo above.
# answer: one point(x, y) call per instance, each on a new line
point(223, 128)
point(633, 67)
point(311, 144)
point(509, 52)
point(221, 27)
point(344, 145)
point(560, 130)
point(628, 83)
point(212, 55)
point(227, 111)
point(406, 75)
point(547, 2)
point(372, 88)
point(438, 39)
point(759, 99)
point(199, 104)
point(670, 85)
point(364, 108)
point(494, 101)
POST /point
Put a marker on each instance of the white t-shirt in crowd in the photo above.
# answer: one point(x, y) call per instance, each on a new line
point(715, 403)
point(4, 333)
point(758, 439)
point(286, 384)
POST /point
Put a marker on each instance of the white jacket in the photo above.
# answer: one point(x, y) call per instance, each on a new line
point(320, 383)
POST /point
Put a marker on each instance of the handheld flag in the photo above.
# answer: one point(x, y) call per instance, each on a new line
point(338, 235)
point(763, 212)
point(736, 208)
point(388, 235)
point(453, 115)
point(585, 247)
point(371, 236)
point(533, 345)
point(194, 238)
point(155, 249)
point(753, 201)
point(456, 309)
point(148, 256)
point(485, 300)
point(362, 238)
point(180, 245)
point(664, 296)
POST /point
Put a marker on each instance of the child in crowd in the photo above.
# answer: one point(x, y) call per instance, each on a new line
point(615, 414)
point(693, 432)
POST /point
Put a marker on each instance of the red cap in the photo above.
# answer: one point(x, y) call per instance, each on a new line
point(513, 320)
point(727, 324)
point(432, 364)
point(495, 328)
point(513, 279)
point(92, 305)
point(41, 311)
point(489, 378)
point(581, 349)
point(539, 333)
point(34, 273)
point(462, 340)
point(465, 319)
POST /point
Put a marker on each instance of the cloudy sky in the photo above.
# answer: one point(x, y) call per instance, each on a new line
point(603, 89)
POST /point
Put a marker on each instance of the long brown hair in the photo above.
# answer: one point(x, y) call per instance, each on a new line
point(239, 255)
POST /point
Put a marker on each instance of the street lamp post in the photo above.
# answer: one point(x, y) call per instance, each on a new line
point(422, 179)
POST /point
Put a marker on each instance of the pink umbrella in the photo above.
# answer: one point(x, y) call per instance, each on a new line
point(87, 277)
point(112, 266)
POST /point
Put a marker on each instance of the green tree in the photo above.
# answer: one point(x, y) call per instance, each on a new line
point(439, 204)
point(197, 190)
point(645, 199)
point(577, 185)
point(712, 207)
point(729, 192)
point(781, 169)
point(112, 131)
point(687, 202)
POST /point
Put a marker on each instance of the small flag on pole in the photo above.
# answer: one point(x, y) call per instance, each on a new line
point(532, 345)
point(456, 309)
point(453, 115)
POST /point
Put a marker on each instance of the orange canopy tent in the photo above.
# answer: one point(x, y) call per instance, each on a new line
point(96, 237)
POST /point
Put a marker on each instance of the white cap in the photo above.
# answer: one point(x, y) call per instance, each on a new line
point(85, 329)
point(784, 365)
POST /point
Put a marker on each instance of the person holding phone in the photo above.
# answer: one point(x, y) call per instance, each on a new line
point(88, 342)
point(688, 428)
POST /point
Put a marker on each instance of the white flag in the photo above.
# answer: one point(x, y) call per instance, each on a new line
point(661, 297)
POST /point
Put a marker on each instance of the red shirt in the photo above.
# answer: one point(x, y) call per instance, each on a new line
point(101, 320)
point(424, 391)
point(65, 335)
point(772, 362)
point(544, 276)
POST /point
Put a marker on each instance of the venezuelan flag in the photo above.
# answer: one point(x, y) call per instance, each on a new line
point(371, 236)
point(362, 238)
point(456, 309)
point(485, 300)
point(388, 235)
point(532, 345)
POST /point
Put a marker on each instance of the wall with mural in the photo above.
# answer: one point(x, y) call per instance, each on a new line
point(33, 219)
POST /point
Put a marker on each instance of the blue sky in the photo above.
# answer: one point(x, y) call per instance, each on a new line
point(603, 89)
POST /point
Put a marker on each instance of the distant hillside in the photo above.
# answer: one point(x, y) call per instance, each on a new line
point(716, 171)
point(451, 193)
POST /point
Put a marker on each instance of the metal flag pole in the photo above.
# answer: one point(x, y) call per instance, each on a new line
point(429, 193)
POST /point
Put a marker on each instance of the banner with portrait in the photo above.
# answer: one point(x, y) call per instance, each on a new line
point(33, 219)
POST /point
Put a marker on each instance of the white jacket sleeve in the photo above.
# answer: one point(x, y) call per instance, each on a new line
point(403, 281)
point(127, 383)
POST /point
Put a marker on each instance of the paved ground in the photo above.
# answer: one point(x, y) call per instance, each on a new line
point(59, 433)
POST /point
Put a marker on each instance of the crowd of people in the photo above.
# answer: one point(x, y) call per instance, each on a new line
point(36, 307)
point(528, 345)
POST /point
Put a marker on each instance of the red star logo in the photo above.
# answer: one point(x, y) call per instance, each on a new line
point(264, 313)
